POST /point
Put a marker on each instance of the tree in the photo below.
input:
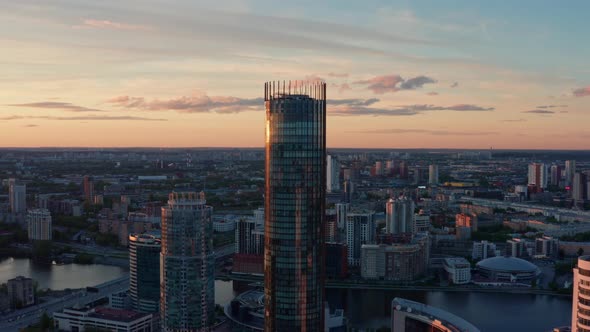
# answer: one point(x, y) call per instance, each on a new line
point(46, 322)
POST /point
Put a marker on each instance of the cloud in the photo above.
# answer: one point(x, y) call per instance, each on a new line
point(353, 102)
point(416, 82)
point(30, 125)
point(359, 107)
point(106, 24)
point(58, 106)
point(313, 78)
point(455, 84)
point(426, 131)
point(331, 74)
point(514, 120)
point(537, 111)
point(432, 93)
point(76, 118)
point(582, 92)
point(200, 103)
point(551, 106)
point(394, 83)
point(341, 87)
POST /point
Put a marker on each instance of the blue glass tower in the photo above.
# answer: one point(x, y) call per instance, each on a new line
point(187, 264)
point(294, 205)
point(144, 272)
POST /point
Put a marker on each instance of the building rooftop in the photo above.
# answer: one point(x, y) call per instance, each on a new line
point(454, 323)
point(118, 315)
point(509, 264)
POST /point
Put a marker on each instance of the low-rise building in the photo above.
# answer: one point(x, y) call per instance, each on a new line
point(21, 292)
point(547, 246)
point(483, 250)
point(458, 270)
point(396, 262)
point(102, 318)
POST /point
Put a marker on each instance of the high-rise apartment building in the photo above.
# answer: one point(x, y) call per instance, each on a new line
point(538, 176)
point(187, 264)
point(433, 175)
point(581, 296)
point(360, 229)
point(399, 217)
point(39, 225)
point(555, 176)
point(332, 174)
point(580, 188)
point(295, 206)
point(144, 272)
point(570, 170)
point(341, 212)
point(88, 185)
point(245, 241)
point(17, 195)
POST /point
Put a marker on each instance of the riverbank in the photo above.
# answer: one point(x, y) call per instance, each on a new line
point(380, 285)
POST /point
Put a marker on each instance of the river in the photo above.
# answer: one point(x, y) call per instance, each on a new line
point(363, 308)
point(58, 277)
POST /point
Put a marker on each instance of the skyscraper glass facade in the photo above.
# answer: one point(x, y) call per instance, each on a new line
point(187, 264)
point(144, 272)
point(294, 205)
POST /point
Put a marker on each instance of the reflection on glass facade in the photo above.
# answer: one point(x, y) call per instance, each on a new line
point(144, 272)
point(187, 264)
point(294, 201)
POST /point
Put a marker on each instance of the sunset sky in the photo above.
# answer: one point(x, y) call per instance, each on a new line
point(400, 74)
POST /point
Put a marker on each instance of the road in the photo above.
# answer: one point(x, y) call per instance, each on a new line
point(27, 316)
point(106, 251)
point(363, 284)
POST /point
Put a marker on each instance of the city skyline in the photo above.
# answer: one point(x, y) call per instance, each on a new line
point(401, 75)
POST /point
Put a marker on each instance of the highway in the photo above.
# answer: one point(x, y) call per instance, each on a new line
point(24, 317)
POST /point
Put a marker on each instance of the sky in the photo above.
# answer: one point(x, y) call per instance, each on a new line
point(399, 74)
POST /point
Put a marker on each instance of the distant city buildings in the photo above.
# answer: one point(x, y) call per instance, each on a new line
point(458, 269)
point(547, 246)
point(17, 196)
point(187, 263)
point(483, 250)
point(421, 222)
point(342, 210)
point(570, 170)
point(332, 174)
point(88, 187)
point(433, 175)
point(399, 217)
point(537, 176)
point(39, 225)
point(507, 270)
point(397, 262)
point(580, 187)
point(144, 272)
point(555, 176)
point(360, 229)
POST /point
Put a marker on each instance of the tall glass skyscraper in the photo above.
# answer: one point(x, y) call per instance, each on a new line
point(144, 272)
point(294, 205)
point(187, 264)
